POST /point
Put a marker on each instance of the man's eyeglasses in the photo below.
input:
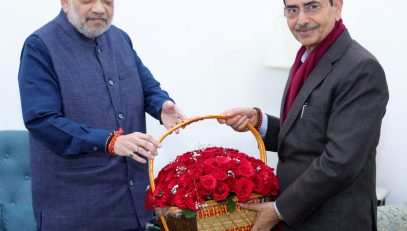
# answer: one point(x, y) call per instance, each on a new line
point(313, 8)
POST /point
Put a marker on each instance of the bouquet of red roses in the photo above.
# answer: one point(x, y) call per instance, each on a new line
point(210, 174)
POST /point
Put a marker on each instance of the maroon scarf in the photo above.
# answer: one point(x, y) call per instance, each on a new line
point(301, 71)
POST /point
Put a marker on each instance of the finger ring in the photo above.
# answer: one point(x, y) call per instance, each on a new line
point(131, 155)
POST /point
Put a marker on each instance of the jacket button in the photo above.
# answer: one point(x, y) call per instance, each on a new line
point(121, 116)
point(111, 83)
point(131, 183)
point(99, 51)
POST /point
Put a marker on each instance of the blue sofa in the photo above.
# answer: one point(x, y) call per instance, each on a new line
point(16, 212)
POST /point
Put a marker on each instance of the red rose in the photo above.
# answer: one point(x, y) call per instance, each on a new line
point(163, 200)
point(208, 182)
point(266, 189)
point(149, 202)
point(197, 175)
point(171, 184)
point(219, 174)
point(257, 162)
point(274, 185)
point(213, 151)
point(270, 181)
point(231, 181)
point(202, 191)
point(244, 168)
point(170, 175)
point(197, 172)
point(258, 183)
point(193, 202)
point(223, 162)
point(181, 169)
point(159, 190)
point(230, 152)
point(187, 181)
point(181, 199)
point(171, 199)
point(209, 165)
point(221, 192)
point(185, 158)
point(169, 167)
point(243, 189)
point(161, 177)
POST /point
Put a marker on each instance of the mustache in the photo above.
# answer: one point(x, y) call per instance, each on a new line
point(306, 26)
point(97, 16)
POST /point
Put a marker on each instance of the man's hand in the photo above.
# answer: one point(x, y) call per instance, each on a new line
point(239, 118)
point(171, 115)
point(136, 146)
point(266, 215)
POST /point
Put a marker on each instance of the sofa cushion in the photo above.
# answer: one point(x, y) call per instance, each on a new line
point(18, 217)
point(392, 217)
point(15, 188)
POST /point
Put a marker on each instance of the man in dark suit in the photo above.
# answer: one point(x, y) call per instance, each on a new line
point(329, 127)
point(84, 94)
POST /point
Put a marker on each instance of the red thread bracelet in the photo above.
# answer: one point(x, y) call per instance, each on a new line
point(116, 134)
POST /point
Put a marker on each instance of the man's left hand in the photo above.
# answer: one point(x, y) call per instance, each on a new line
point(266, 215)
point(171, 115)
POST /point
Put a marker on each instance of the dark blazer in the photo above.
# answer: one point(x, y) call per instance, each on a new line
point(327, 145)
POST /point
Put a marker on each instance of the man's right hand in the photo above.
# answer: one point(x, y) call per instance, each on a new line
point(266, 215)
point(136, 146)
point(238, 118)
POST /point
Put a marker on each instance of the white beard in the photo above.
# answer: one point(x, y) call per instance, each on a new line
point(81, 26)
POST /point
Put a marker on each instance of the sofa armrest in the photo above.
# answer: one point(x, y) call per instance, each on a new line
point(1, 218)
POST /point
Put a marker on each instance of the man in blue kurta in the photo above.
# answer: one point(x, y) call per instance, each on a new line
point(80, 79)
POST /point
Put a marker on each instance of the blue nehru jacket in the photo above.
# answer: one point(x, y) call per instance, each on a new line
point(74, 91)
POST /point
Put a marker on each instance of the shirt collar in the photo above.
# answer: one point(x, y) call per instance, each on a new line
point(304, 56)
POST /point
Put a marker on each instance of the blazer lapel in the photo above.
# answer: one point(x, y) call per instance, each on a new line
point(317, 75)
point(321, 70)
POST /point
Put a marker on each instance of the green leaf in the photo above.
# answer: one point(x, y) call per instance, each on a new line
point(230, 197)
point(189, 213)
point(231, 205)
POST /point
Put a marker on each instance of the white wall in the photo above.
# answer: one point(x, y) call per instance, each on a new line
point(209, 55)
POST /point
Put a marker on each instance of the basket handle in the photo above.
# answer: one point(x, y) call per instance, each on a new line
point(255, 133)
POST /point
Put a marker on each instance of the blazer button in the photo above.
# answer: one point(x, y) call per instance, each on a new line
point(121, 116)
point(111, 83)
point(131, 183)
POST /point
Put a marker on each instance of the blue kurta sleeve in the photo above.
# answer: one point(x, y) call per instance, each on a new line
point(154, 96)
point(42, 105)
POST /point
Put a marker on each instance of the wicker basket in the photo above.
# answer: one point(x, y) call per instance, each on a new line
point(213, 215)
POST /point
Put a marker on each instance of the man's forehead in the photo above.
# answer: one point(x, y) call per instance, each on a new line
point(301, 2)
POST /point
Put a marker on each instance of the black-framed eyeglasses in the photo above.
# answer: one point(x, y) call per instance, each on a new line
point(312, 8)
